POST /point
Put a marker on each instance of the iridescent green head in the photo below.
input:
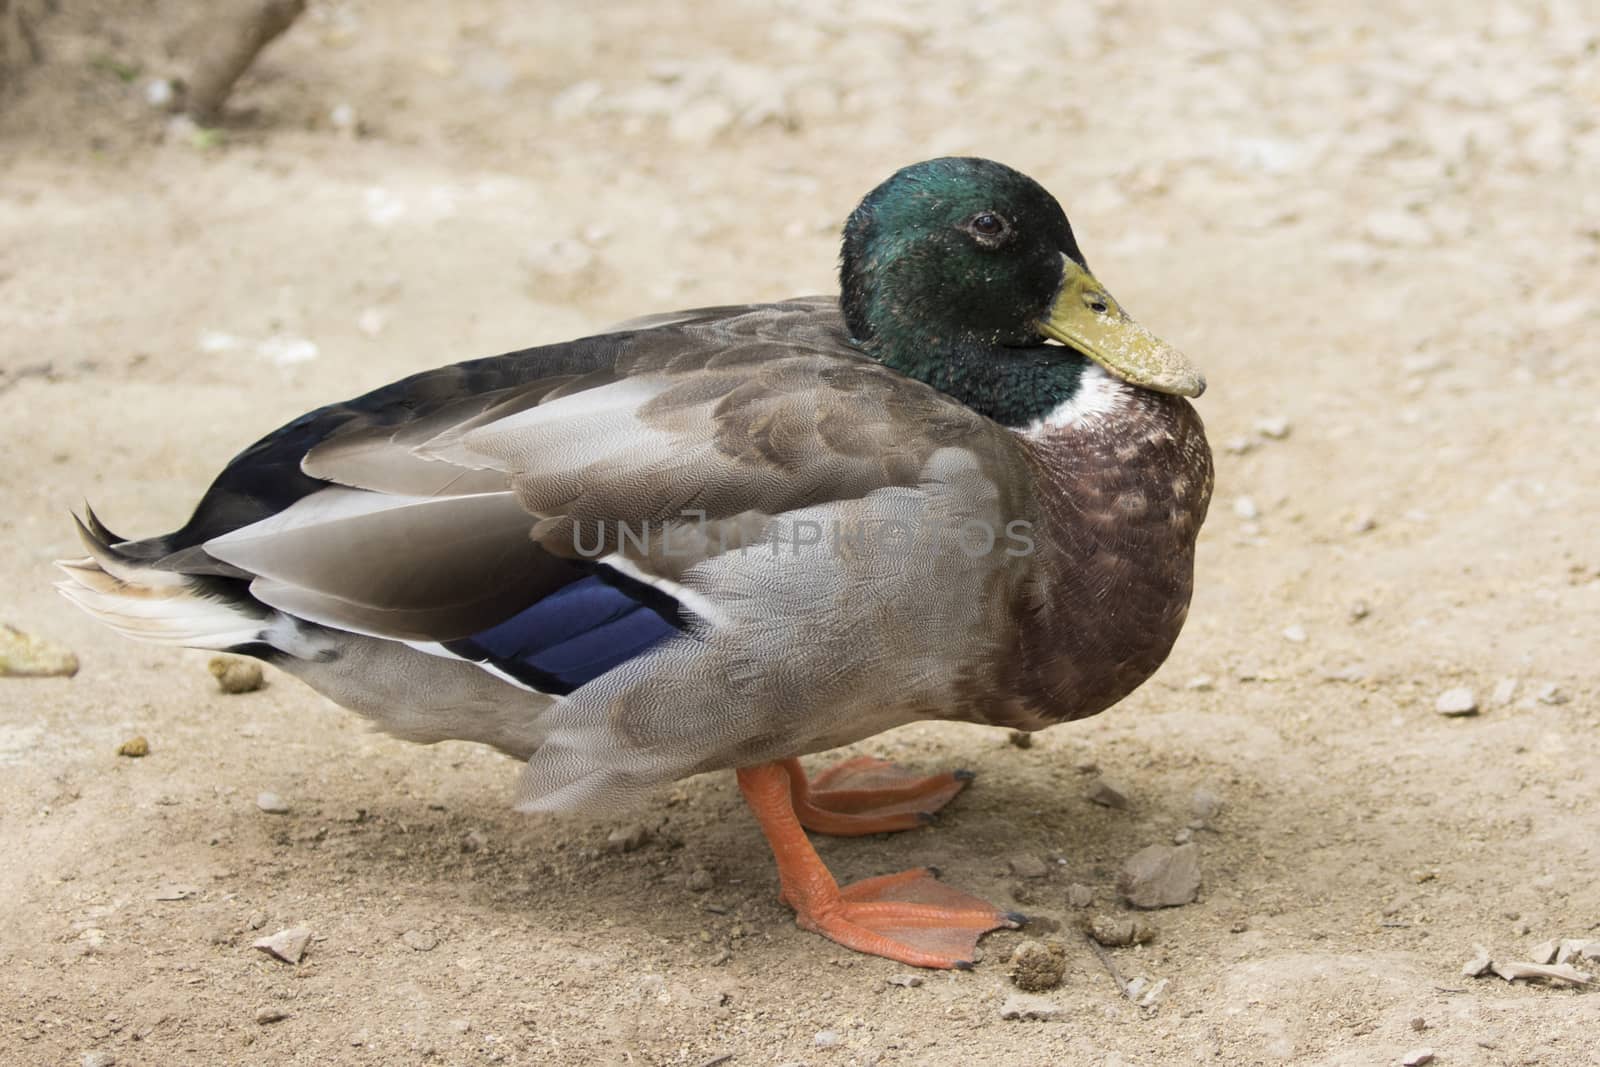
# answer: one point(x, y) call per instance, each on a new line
point(957, 271)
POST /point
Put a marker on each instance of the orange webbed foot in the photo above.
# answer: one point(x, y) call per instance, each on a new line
point(909, 917)
point(867, 795)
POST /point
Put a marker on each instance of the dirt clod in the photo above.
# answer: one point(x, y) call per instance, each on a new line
point(1038, 965)
point(24, 656)
point(135, 747)
point(1115, 931)
point(235, 675)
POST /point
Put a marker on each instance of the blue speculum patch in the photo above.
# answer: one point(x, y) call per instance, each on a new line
point(582, 630)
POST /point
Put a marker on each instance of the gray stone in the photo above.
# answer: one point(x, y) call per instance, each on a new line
point(419, 940)
point(1108, 793)
point(287, 945)
point(1079, 895)
point(628, 838)
point(1161, 876)
point(1026, 865)
point(1204, 805)
point(1032, 1007)
point(1417, 1057)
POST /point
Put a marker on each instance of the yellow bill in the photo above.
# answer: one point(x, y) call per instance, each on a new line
point(1087, 317)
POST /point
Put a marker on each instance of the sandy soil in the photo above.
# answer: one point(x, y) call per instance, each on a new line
point(1367, 219)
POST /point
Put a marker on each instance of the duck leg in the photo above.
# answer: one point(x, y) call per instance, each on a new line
point(866, 795)
point(909, 917)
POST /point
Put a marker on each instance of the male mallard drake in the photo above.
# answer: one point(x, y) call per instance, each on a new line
point(729, 537)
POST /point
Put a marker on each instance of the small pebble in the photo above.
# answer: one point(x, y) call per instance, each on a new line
point(1114, 931)
point(1505, 690)
point(1551, 694)
point(98, 1059)
point(700, 880)
point(1295, 634)
point(1079, 895)
point(1238, 446)
point(272, 804)
point(1419, 1024)
point(1362, 524)
point(419, 940)
point(134, 747)
point(1204, 804)
point(1037, 965)
point(628, 838)
point(1457, 701)
point(235, 675)
point(287, 945)
point(1359, 610)
point(1030, 1006)
point(1245, 508)
point(1183, 836)
point(1417, 1057)
point(905, 981)
point(1020, 739)
point(1274, 427)
point(1108, 794)
point(270, 1015)
point(1154, 994)
point(160, 94)
point(1027, 865)
point(473, 841)
point(1201, 683)
point(826, 1039)
point(1161, 876)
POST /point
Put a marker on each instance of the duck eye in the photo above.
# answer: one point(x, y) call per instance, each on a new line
point(987, 224)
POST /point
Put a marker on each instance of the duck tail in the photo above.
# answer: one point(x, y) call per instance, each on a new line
point(131, 592)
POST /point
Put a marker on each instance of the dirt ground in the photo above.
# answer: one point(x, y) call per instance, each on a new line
point(1375, 226)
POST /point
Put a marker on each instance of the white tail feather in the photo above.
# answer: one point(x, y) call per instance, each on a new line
point(156, 610)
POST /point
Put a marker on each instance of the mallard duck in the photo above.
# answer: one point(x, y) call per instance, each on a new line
point(968, 488)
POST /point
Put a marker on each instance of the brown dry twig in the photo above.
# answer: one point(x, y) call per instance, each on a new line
point(232, 43)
